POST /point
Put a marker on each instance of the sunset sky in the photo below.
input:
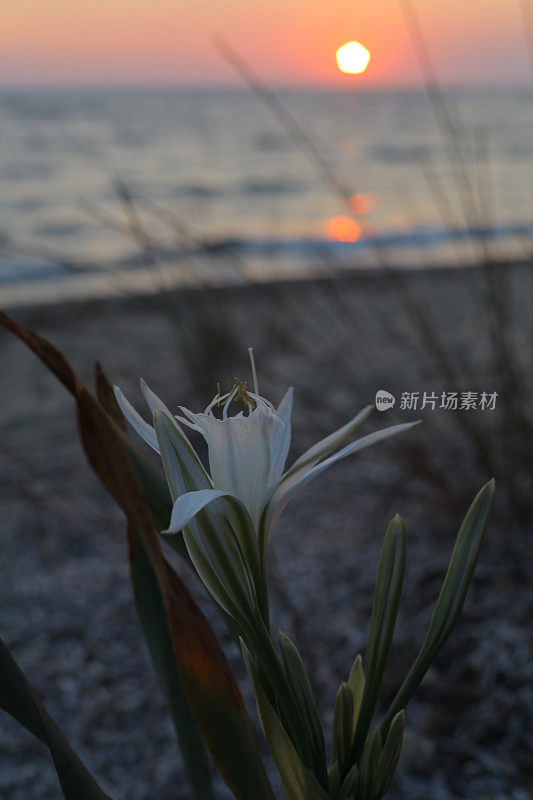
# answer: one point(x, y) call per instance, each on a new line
point(289, 42)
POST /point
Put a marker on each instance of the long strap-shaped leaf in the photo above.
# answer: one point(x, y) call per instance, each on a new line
point(451, 597)
point(387, 594)
point(20, 701)
point(151, 610)
point(211, 690)
point(301, 686)
point(299, 783)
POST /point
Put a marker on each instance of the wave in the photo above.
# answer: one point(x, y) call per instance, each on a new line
point(419, 237)
point(23, 269)
point(248, 187)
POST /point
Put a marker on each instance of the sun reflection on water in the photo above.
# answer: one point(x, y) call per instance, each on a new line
point(342, 229)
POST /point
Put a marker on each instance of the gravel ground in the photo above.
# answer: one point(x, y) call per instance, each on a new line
point(67, 612)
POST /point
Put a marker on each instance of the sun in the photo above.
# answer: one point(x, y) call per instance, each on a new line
point(352, 58)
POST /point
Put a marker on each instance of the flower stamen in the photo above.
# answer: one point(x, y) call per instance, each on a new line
point(242, 393)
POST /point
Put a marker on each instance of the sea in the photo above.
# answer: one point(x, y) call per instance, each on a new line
point(218, 185)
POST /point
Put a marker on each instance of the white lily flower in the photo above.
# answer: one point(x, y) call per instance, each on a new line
point(247, 452)
point(247, 487)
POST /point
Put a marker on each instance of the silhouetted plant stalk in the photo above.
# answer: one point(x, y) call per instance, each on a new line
point(200, 328)
point(498, 276)
point(220, 522)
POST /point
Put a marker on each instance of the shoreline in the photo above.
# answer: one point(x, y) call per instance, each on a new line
point(11, 297)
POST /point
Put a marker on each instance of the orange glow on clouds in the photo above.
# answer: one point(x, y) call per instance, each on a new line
point(343, 229)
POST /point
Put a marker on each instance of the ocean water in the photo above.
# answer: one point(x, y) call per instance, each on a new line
point(216, 171)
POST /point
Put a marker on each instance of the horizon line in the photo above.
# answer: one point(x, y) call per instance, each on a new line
point(123, 85)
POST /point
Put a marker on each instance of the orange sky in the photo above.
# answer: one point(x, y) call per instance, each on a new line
point(289, 42)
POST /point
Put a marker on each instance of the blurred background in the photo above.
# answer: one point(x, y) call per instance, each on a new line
point(184, 180)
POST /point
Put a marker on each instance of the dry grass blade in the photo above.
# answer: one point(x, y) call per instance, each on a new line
point(46, 351)
point(106, 396)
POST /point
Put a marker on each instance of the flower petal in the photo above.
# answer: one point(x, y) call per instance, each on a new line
point(188, 505)
point(183, 469)
point(325, 446)
point(144, 430)
point(154, 402)
point(241, 458)
point(282, 437)
point(289, 487)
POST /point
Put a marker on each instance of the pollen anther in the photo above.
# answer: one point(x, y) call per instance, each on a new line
point(242, 393)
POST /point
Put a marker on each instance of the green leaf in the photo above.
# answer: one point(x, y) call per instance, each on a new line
point(390, 756)
point(277, 688)
point(350, 785)
point(20, 701)
point(385, 609)
point(451, 597)
point(356, 680)
point(299, 783)
point(152, 613)
point(182, 466)
point(334, 778)
point(369, 763)
point(343, 728)
point(299, 682)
